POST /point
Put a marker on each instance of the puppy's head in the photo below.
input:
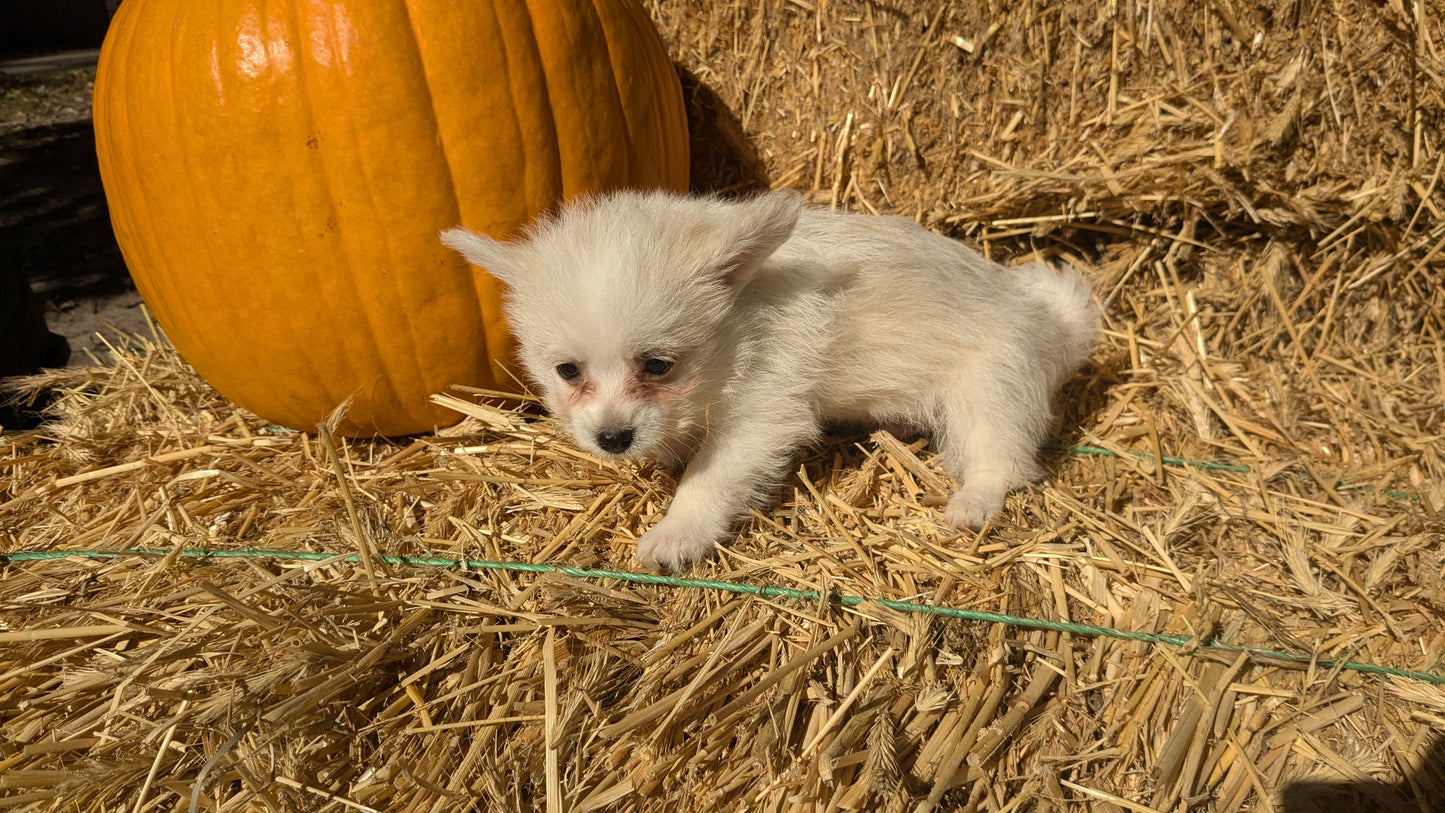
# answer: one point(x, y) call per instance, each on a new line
point(621, 308)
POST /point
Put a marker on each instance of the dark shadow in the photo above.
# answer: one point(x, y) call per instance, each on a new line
point(57, 246)
point(1086, 392)
point(722, 157)
point(31, 25)
point(1084, 395)
point(1422, 790)
point(54, 223)
point(26, 345)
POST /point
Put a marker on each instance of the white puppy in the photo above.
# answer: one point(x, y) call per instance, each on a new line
point(727, 334)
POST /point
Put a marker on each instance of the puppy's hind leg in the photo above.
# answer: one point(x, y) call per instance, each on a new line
point(990, 425)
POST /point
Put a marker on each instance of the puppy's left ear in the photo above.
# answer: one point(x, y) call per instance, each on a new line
point(757, 228)
point(494, 256)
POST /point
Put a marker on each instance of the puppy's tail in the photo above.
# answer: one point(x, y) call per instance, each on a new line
point(1067, 297)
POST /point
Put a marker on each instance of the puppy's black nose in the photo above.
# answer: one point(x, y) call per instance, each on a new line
point(614, 441)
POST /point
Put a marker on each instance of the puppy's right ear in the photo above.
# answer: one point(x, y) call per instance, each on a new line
point(494, 256)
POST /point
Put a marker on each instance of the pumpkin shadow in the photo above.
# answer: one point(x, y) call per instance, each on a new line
point(723, 159)
point(1424, 789)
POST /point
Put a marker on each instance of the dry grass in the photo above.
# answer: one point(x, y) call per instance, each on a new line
point(1255, 189)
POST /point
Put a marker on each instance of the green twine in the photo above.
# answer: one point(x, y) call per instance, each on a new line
point(1207, 465)
point(743, 588)
point(1210, 465)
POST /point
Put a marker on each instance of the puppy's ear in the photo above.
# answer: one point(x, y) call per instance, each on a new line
point(754, 230)
point(494, 256)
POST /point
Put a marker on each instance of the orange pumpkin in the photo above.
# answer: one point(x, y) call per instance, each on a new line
point(278, 173)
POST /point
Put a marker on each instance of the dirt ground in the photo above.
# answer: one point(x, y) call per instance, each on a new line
point(54, 226)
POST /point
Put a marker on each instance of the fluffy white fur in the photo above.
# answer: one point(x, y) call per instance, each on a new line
point(727, 335)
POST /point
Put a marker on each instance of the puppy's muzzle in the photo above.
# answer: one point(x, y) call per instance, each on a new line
point(614, 441)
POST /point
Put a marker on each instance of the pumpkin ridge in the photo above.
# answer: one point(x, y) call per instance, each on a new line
point(392, 268)
point(455, 216)
point(200, 334)
point(610, 26)
point(664, 115)
point(499, 155)
point(355, 292)
point(619, 98)
point(306, 89)
point(135, 234)
point(646, 124)
point(306, 359)
point(108, 135)
point(388, 274)
point(124, 221)
point(548, 102)
point(557, 103)
point(186, 322)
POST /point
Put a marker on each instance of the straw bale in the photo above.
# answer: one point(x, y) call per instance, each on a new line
point(1255, 191)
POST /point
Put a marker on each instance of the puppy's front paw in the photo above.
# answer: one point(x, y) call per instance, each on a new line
point(672, 545)
point(972, 507)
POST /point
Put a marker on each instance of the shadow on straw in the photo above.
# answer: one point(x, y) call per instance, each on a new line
point(724, 160)
point(1424, 789)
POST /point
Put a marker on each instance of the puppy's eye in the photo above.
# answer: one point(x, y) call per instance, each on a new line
point(656, 367)
point(568, 371)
